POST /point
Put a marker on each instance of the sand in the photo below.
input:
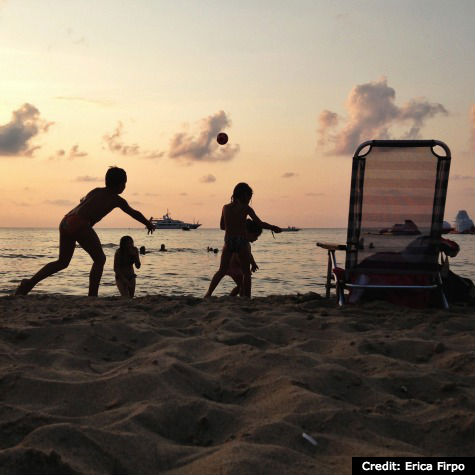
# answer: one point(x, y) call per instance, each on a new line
point(181, 385)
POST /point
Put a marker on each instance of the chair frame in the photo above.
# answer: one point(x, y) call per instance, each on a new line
point(353, 232)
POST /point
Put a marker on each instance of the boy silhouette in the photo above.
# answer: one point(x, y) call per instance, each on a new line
point(77, 225)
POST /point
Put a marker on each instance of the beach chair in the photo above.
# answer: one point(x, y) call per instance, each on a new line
point(397, 201)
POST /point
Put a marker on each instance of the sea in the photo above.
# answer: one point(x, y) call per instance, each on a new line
point(289, 263)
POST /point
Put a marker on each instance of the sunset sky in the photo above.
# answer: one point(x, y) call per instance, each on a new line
point(297, 85)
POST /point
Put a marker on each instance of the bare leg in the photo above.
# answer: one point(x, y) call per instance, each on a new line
point(123, 288)
point(245, 260)
point(90, 242)
point(132, 288)
point(66, 250)
point(223, 267)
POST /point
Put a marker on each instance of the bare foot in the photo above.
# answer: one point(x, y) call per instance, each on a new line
point(24, 287)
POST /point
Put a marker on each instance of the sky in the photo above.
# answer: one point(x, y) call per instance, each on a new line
point(147, 85)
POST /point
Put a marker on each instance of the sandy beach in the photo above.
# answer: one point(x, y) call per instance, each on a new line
point(181, 385)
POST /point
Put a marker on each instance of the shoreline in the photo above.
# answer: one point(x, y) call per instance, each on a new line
point(183, 385)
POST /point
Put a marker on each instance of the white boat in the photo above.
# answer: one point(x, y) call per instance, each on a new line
point(289, 229)
point(168, 223)
point(463, 223)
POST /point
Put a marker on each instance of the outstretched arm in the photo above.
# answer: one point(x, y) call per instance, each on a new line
point(137, 215)
point(263, 224)
point(254, 266)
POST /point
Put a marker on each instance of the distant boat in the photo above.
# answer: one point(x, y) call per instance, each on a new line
point(409, 228)
point(168, 223)
point(446, 227)
point(290, 229)
point(463, 224)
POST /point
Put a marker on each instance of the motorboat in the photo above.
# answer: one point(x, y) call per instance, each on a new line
point(169, 223)
point(463, 223)
point(290, 229)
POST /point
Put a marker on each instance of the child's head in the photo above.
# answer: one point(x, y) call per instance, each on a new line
point(242, 192)
point(126, 242)
point(253, 230)
point(116, 178)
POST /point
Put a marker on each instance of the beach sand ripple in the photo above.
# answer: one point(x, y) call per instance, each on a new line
point(181, 385)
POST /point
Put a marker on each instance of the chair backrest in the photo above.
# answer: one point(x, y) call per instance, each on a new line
point(397, 201)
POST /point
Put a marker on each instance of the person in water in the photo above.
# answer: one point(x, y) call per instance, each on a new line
point(124, 260)
point(233, 222)
point(163, 248)
point(77, 226)
point(253, 231)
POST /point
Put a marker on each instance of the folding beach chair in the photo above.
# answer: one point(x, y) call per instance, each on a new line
point(397, 201)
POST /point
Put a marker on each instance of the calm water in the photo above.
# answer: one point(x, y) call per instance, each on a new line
point(290, 263)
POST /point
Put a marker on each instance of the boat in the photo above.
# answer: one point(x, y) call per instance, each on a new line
point(169, 223)
point(290, 229)
point(409, 228)
point(463, 223)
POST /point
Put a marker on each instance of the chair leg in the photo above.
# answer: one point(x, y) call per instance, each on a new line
point(445, 303)
point(340, 294)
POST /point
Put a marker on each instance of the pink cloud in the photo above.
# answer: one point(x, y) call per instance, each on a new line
point(203, 147)
point(371, 112)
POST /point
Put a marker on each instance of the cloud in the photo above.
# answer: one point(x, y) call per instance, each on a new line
point(289, 175)
point(60, 202)
point(203, 147)
point(372, 111)
point(152, 155)
point(87, 179)
point(116, 145)
point(71, 155)
point(75, 153)
point(21, 203)
point(327, 120)
point(25, 124)
point(98, 102)
point(208, 179)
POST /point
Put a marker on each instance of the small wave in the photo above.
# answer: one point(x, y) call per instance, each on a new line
point(110, 244)
point(172, 249)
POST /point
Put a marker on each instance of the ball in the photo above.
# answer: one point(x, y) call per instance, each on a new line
point(222, 138)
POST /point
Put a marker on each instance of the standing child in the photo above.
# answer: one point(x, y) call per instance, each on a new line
point(253, 231)
point(125, 257)
point(233, 222)
point(77, 225)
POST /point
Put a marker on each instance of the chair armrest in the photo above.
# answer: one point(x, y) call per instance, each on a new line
point(331, 246)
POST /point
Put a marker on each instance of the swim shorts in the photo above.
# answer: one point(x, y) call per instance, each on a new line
point(73, 225)
point(235, 243)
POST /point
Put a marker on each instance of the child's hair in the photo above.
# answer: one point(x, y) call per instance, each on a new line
point(115, 176)
point(253, 227)
point(241, 192)
point(124, 240)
